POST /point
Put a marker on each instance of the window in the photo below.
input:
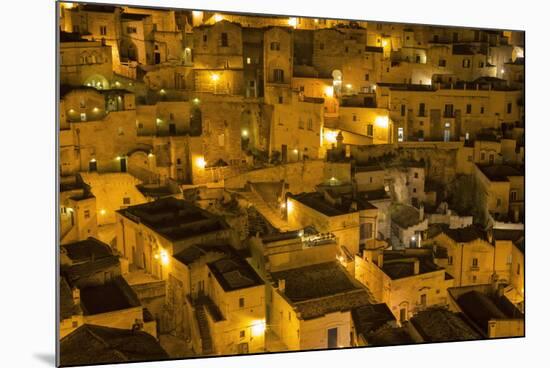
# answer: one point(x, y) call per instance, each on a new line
point(280, 99)
point(275, 46)
point(225, 40)
point(370, 130)
point(491, 158)
point(347, 49)
point(421, 123)
point(518, 269)
point(416, 175)
point(354, 117)
point(421, 109)
point(75, 324)
point(414, 190)
point(76, 29)
point(481, 64)
point(470, 158)
point(103, 30)
point(241, 334)
point(513, 195)
point(417, 60)
point(468, 108)
point(474, 279)
point(499, 202)
point(509, 259)
point(482, 156)
point(241, 302)
point(366, 231)
point(482, 110)
point(126, 200)
point(278, 75)
point(367, 77)
point(131, 30)
point(400, 134)
point(310, 124)
point(474, 262)
point(86, 214)
point(442, 62)
point(178, 161)
point(466, 63)
point(403, 107)
point(204, 38)
point(450, 260)
point(423, 299)
point(509, 108)
point(300, 124)
point(449, 111)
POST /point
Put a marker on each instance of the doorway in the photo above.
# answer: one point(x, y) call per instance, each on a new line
point(93, 166)
point(284, 153)
point(332, 338)
point(123, 164)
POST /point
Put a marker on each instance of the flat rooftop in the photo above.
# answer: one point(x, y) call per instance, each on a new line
point(398, 265)
point(465, 234)
point(437, 325)
point(390, 336)
point(369, 318)
point(192, 253)
point(175, 219)
point(90, 344)
point(234, 273)
point(109, 297)
point(341, 206)
point(500, 172)
point(87, 250)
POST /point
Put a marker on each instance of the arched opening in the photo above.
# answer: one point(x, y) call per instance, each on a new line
point(128, 51)
point(97, 81)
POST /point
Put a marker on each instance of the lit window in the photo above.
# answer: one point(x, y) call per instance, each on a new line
point(86, 214)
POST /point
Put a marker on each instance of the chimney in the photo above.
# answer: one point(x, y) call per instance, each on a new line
point(421, 212)
point(416, 266)
point(281, 284)
point(381, 259)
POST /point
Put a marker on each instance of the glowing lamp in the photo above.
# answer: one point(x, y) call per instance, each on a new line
point(162, 91)
point(96, 109)
point(381, 121)
point(384, 43)
point(329, 91)
point(196, 101)
point(102, 212)
point(218, 17)
point(295, 151)
point(330, 136)
point(118, 158)
point(292, 22)
point(164, 257)
point(215, 77)
point(244, 133)
point(201, 164)
point(289, 206)
point(283, 205)
point(159, 121)
point(150, 154)
point(92, 160)
point(258, 328)
point(348, 86)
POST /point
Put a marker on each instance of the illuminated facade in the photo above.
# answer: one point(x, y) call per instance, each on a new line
point(272, 183)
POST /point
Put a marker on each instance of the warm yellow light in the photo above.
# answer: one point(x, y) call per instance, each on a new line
point(68, 5)
point(316, 20)
point(162, 91)
point(258, 327)
point(96, 109)
point(150, 154)
point(159, 121)
point(118, 158)
point(218, 17)
point(201, 164)
point(348, 86)
point(329, 91)
point(382, 121)
point(502, 71)
point(384, 43)
point(283, 205)
point(292, 22)
point(295, 151)
point(330, 136)
point(71, 110)
point(92, 160)
point(164, 257)
point(244, 133)
point(289, 206)
point(215, 77)
point(102, 212)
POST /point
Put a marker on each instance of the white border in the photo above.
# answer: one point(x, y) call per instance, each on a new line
point(27, 306)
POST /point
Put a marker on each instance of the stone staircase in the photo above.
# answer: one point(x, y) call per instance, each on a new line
point(267, 212)
point(200, 314)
